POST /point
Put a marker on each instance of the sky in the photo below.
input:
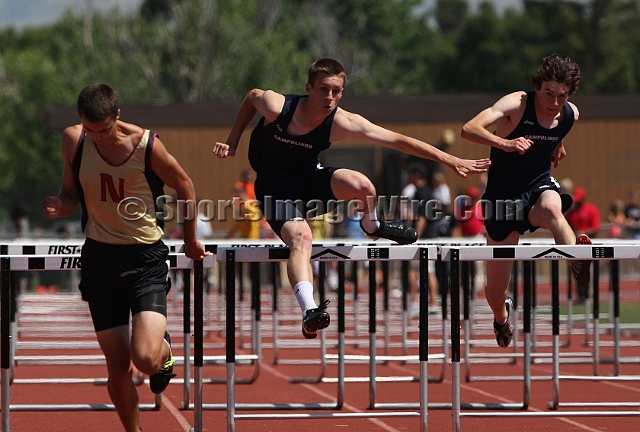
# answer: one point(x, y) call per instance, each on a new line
point(32, 13)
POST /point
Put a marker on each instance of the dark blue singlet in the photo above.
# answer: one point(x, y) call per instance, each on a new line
point(275, 154)
point(521, 178)
point(511, 173)
point(288, 167)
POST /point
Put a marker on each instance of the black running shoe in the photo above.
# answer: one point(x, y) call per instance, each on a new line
point(399, 232)
point(314, 320)
point(503, 332)
point(160, 380)
point(580, 269)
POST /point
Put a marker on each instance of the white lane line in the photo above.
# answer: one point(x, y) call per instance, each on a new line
point(493, 396)
point(329, 397)
point(564, 419)
point(177, 414)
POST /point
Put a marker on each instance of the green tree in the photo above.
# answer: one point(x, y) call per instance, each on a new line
point(196, 50)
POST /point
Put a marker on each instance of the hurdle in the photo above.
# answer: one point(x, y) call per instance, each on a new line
point(524, 253)
point(322, 362)
point(372, 342)
point(34, 262)
point(340, 254)
point(555, 403)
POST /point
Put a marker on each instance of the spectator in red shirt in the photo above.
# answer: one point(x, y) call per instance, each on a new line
point(471, 222)
point(583, 217)
point(471, 218)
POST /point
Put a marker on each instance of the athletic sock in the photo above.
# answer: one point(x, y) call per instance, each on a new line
point(369, 221)
point(304, 294)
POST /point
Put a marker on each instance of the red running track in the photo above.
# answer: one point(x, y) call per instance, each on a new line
point(272, 386)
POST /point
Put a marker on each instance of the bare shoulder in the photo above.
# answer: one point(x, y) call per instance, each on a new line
point(512, 101)
point(72, 133)
point(268, 103)
point(70, 140)
point(576, 113)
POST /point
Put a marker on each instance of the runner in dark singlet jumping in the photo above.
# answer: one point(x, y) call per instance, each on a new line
point(284, 151)
point(530, 127)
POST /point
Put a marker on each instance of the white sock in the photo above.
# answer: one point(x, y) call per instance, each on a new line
point(370, 221)
point(304, 294)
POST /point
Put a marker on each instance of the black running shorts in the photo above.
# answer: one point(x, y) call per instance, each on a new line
point(505, 214)
point(276, 196)
point(119, 280)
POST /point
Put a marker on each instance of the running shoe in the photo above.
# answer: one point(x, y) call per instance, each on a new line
point(399, 232)
point(580, 268)
point(503, 332)
point(160, 380)
point(314, 320)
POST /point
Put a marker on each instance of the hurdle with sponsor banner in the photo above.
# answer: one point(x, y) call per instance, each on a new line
point(336, 253)
point(37, 260)
point(525, 253)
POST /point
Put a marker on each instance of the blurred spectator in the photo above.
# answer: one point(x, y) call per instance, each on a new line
point(426, 229)
point(244, 192)
point(617, 219)
point(583, 217)
point(19, 227)
point(440, 189)
point(447, 138)
point(19, 222)
point(470, 218)
point(566, 186)
point(203, 224)
point(441, 192)
point(471, 222)
point(350, 226)
point(632, 213)
point(321, 226)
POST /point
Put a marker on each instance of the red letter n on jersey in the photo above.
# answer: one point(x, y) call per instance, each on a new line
point(106, 183)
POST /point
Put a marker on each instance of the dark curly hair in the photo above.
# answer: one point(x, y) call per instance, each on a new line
point(558, 68)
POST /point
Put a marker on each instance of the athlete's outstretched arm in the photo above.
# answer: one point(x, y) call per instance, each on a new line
point(347, 124)
point(267, 103)
point(67, 200)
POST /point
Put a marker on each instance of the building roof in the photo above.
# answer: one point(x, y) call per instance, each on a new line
point(378, 109)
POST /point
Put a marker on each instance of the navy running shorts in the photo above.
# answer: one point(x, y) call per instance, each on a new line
point(506, 214)
point(119, 280)
point(298, 197)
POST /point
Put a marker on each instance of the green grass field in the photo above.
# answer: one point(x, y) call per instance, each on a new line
point(629, 312)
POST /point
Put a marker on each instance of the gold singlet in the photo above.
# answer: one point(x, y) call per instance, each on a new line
point(118, 201)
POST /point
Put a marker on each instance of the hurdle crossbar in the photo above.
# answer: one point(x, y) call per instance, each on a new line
point(525, 253)
point(341, 254)
point(70, 260)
